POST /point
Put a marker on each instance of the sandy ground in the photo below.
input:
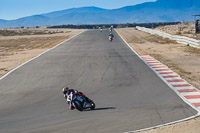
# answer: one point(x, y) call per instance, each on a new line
point(17, 49)
point(182, 29)
point(182, 59)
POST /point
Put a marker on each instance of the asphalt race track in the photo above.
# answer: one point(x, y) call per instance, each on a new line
point(128, 95)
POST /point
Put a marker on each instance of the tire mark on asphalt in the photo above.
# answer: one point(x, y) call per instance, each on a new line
point(105, 72)
point(159, 115)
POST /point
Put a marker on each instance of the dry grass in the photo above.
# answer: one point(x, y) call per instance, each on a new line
point(24, 32)
point(30, 31)
point(7, 46)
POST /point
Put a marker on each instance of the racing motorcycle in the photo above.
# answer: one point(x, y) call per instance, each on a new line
point(110, 38)
point(80, 103)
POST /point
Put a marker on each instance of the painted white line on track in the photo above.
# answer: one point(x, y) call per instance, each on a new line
point(190, 93)
point(168, 75)
point(184, 88)
point(153, 62)
point(168, 72)
point(161, 74)
point(175, 78)
point(149, 60)
point(157, 67)
point(194, 100)
point(38, 56)
point(179, 83)
point(160, 68)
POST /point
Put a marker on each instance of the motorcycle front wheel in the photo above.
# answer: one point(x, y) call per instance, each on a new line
point(92, 105)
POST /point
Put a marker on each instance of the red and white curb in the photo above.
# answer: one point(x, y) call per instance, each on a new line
point(185, 90)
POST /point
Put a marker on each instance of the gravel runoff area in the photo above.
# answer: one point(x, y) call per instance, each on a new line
point(20, 45)
point(182, 59)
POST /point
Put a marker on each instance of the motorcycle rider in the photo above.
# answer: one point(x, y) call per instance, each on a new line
point(68, 91)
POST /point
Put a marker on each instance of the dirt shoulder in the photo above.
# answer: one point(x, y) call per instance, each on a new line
point(182, 59)
point(15, 50)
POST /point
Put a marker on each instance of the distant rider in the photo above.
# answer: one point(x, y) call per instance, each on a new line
point(68, 91)
point(110, 29)
point(100, 29)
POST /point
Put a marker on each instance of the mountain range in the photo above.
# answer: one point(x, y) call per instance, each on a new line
point(158, 11)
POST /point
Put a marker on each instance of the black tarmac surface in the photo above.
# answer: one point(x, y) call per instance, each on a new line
point(128, 95)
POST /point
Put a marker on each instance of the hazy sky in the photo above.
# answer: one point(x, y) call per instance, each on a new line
point(13, 9)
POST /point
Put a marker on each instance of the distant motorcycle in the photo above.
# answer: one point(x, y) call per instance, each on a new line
point(80, 103)
point(110, 38)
